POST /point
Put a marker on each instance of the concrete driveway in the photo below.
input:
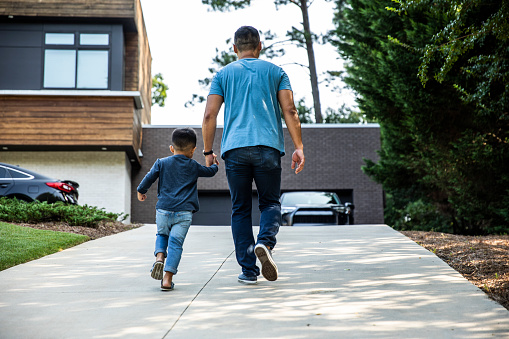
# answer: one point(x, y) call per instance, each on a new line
point(361, 281)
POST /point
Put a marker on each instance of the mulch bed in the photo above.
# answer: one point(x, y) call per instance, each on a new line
point(102, 230)
point(482, 260)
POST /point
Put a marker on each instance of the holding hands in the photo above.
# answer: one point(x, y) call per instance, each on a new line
point(142, 197)
point(211, 159)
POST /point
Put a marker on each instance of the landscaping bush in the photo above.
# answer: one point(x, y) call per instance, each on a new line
point(421, 216)
point(13, 210)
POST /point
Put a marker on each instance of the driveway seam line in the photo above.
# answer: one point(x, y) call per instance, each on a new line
point(197, 294)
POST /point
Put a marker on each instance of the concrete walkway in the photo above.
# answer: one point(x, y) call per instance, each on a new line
point(362, 281)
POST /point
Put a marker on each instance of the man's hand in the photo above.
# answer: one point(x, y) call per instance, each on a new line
point(298, 159)
point(211, 159)
point(142, 197)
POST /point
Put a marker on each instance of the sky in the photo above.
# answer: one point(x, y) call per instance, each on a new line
point(184, 35)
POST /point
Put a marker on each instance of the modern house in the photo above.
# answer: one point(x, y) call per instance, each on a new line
point(75, 89)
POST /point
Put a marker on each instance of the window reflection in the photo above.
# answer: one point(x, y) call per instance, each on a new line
point(59, 68)
point(59, 39)
point(92, 69)
point(94, 39)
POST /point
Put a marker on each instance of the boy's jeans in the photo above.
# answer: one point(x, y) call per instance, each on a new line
point(172, 229)
point(263, 165)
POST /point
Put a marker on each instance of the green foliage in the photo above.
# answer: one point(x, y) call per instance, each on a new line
point(345, 115)
point(21, 244)
point(159, 89)
point(305, 115)
point(445, 144)
point(419, 216)
point(13, 210)
point(226, 5)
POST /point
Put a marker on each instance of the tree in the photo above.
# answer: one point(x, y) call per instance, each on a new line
point(302, 38)
point(471, 50)
point(159, 89)
point(345, 115)
point(436, 139)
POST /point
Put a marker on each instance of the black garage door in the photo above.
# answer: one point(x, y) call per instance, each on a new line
point(216, 209)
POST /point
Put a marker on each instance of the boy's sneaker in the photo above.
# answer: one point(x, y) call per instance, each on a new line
point(247, 279)
point(157, 270)
point(269, 268)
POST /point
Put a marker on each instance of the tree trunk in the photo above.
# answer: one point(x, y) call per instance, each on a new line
point(311, 60)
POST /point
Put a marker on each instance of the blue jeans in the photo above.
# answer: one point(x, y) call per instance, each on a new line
point(172, 229)
point(263, 165)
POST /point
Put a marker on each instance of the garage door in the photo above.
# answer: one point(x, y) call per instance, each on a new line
point(216, 209)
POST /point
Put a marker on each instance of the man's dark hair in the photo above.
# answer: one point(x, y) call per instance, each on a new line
point(247, 38)
point(183, 139)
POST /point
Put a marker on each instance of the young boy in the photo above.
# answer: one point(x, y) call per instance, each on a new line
point(177, 196)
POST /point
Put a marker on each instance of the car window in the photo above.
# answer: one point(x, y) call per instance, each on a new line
point(4, 174)
point(309, 198)
point(15, 174)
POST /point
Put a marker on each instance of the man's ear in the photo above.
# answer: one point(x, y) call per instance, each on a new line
point(235, 50)
point(260, 46)
point(172, 149)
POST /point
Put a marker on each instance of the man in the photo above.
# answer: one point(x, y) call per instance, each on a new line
point(252, 145)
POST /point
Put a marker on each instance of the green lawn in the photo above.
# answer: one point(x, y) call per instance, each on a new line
point(21, 244)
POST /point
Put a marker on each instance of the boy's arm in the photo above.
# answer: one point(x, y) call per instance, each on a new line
point(204, 171)
point(148, 180)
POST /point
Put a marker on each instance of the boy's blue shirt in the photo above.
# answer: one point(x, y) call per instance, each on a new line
point(252, 116)
point(177, 187)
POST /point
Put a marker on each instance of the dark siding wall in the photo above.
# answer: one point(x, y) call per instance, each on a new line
point(333, 162)
point(21, 53)
point(20, 57)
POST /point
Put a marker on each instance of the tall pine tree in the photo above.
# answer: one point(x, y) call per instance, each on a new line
point(427, 158)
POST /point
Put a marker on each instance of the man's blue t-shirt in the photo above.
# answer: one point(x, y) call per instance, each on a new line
point(251, 116)
point(177, 186)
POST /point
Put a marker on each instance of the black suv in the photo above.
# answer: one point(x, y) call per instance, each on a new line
point(22, 184)
point(315, 208)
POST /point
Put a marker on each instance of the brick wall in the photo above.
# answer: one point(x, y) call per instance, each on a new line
point(334, 156)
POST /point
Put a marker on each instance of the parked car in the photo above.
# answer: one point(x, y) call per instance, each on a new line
point(20, 183)
point(315, 208)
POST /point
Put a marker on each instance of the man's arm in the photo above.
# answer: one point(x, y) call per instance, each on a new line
point(209, 125)
point(285, 98)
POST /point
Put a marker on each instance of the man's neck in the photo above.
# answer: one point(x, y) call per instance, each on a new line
point(248, 55)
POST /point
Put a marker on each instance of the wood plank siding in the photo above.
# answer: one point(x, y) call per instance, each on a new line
point(145, 64)
point(67, 8)
point(67, 121)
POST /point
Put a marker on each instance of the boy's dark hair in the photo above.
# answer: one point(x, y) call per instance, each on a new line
point(246, 38)
point(183, 139)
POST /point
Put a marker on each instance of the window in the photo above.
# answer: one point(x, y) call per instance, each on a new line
point(76, 60)
point(18, 175)
point(3, 173)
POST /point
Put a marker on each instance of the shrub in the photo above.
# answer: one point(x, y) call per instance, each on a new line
point(422, 216)
point(13, 210)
